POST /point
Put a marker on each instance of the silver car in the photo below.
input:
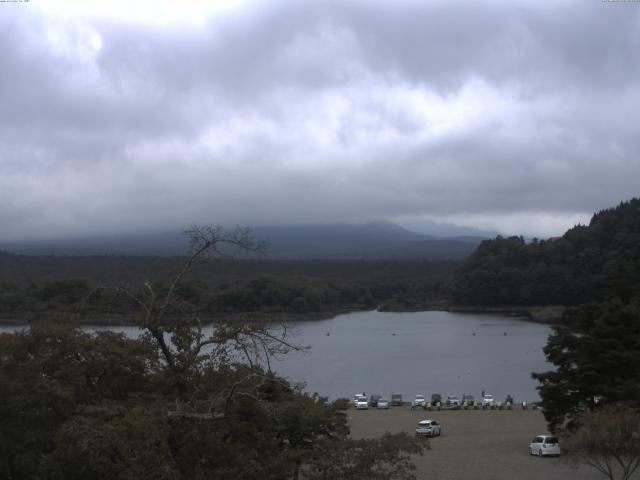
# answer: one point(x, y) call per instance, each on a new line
point(453, 401)
point(544, 445)
point(383, 403)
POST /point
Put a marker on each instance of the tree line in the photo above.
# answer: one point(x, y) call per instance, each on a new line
point(588, 263)
point(240, 286)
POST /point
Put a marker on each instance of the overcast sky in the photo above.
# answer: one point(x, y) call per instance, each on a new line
point(518, 116)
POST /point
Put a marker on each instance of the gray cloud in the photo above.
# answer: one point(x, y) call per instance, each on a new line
point(520, 118)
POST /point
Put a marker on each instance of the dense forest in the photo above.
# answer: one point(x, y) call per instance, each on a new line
point(588, 263)
point(33, 285)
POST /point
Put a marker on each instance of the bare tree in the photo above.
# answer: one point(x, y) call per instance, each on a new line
point(157, 306)
point(608, 440)
point(179, 336)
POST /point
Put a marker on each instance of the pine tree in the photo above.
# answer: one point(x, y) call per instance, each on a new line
point(597, 359)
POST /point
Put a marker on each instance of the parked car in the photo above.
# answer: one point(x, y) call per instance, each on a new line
point(419, 401)
point(468, 400)
point(396, 399)
point(373, 400)
point(428, 428)
point(383, 403)
point(358, 397)
point(487, 401)
point(544, 445)
point(362, 403)
point(453, 401)
point(436, 398)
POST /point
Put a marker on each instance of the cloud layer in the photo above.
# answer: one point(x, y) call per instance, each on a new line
point(519, 117)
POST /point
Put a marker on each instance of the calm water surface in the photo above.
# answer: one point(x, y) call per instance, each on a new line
point(418, 352)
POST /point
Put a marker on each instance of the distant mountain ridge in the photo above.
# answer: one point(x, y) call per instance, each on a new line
point(336, 240)
point(373, 240)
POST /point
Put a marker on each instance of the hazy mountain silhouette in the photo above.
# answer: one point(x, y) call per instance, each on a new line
point(374, 240)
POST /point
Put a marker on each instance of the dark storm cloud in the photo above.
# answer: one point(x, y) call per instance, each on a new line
point(519, 117)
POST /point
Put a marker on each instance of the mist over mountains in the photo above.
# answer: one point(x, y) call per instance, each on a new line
point(373, 240)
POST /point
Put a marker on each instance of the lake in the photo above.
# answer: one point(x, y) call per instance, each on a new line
point(410, 353)
point(419, 352)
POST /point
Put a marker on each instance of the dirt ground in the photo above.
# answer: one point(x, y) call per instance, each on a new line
point(475, 444)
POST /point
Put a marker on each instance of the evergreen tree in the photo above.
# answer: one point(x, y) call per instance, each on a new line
point(588, 263)
point(597, 359)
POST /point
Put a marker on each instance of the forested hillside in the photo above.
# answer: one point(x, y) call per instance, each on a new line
point(588, 263)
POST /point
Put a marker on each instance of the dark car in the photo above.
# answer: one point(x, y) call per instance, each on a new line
point(468, 401)
point(396, 399)
point(373, 400)
point(436, 398)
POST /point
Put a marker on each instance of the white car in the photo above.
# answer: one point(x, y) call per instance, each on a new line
point(428, 428)
point(358, 397)
point(383, 403)
point(360, 402)
point(419, 401)
point(544, 445)
point(488, 401)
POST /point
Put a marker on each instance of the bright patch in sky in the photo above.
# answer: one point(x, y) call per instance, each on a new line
point(148, 12)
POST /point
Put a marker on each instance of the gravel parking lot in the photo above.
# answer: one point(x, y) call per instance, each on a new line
point(475, 444)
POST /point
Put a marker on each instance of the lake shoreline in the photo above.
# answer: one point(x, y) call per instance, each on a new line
point(128, 320)
point(538, 314)
point(549, 315)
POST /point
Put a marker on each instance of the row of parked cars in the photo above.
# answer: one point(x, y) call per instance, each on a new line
point(464, 401)
point(362, 402)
